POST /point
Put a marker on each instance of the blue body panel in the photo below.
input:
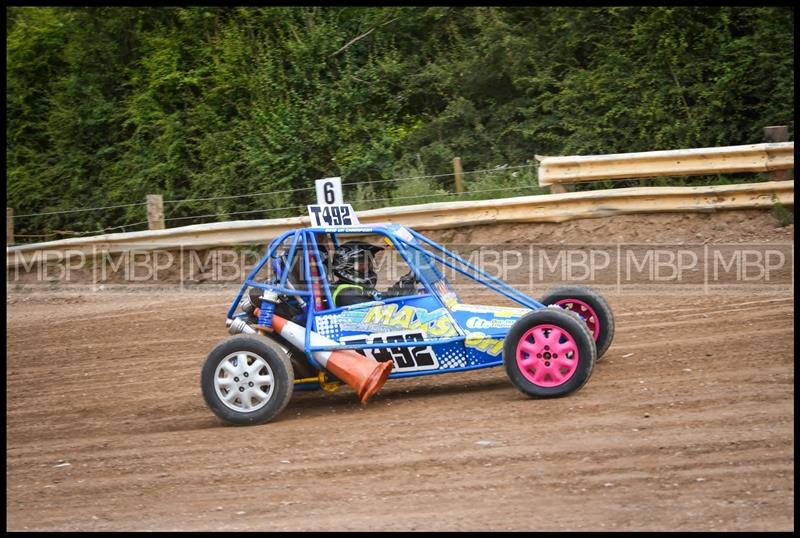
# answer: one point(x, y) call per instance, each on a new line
point(428, 333)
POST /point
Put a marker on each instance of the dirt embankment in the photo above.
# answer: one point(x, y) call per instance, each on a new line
point(228, 265)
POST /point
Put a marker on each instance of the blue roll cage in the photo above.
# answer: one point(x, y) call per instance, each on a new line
point(306, 237)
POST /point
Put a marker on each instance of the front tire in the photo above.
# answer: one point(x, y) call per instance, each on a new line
point(549, 353)
point(247, 379)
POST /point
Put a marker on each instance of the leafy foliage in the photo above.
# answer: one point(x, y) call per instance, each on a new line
point(106, 105)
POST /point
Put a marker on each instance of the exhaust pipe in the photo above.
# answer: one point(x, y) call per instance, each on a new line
point(246, 305)
point(238, 325)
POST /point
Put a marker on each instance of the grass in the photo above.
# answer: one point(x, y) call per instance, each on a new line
point(781, 214)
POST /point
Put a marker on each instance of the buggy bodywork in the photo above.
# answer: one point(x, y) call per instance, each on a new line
point(430, 332)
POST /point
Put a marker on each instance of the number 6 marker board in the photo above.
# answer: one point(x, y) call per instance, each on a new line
point(330, 209)
point(329, 191)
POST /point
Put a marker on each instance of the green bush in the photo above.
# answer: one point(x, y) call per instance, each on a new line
point(108, 104)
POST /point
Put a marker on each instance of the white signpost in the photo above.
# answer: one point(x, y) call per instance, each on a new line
point(329, 191)
point(330, 209)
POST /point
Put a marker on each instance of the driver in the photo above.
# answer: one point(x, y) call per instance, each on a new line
point(353, 265)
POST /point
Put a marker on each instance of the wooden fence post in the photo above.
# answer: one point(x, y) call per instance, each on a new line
point(459, 174)
point(777, 133)
point(155, 212)
point(9, 226)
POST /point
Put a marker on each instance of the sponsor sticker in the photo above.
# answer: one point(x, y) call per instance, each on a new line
point(481, 323)
point(405, 358)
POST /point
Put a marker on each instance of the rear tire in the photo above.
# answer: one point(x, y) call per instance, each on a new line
point(247, 379)
point(549, 353)
point(590, 306)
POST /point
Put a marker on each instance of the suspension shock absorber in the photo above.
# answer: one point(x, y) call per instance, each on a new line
point(268, 301)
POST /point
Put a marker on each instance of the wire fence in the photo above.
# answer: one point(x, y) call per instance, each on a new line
point(78, 210)
point(361, 200)
point(227, 214)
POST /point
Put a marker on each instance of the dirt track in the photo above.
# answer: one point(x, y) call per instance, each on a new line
point(687, 424)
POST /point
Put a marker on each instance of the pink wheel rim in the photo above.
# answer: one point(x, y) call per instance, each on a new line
point(586, 312)
point(547, 355)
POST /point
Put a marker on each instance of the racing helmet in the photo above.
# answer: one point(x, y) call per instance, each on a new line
point(353, 262)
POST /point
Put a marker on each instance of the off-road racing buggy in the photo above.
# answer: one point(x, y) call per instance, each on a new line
point(287, 333)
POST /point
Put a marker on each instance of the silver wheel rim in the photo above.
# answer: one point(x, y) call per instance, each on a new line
point(244, 382)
